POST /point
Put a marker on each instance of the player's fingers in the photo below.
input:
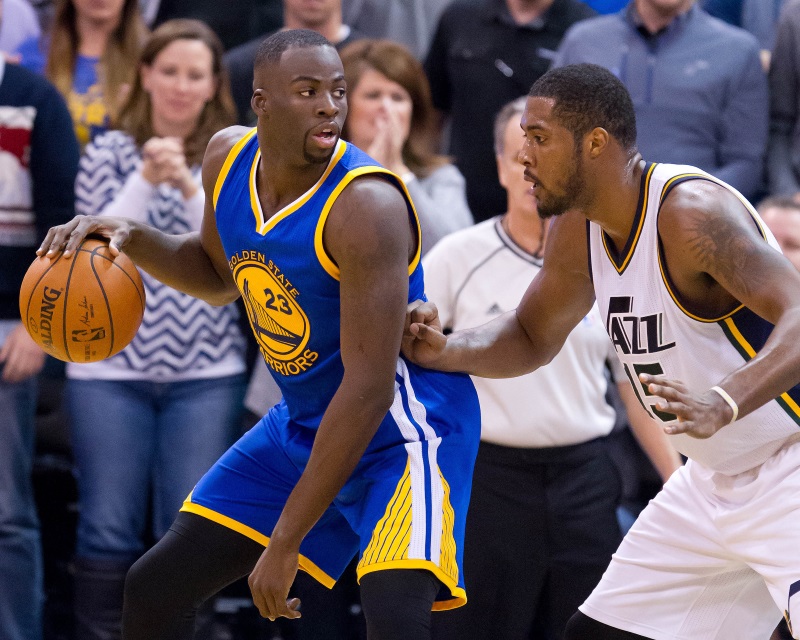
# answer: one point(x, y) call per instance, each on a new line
point(409, 310)
point(427, 334)
point(282, 609)
point(118, 240)
point(679, 426)
point(690, 428)
point(294, 605)
point(85, 226)
point(424, 313)
point(647, 378)
point(670, 394)
point(48, 240)
point(676, 408)
point(274, 605)
point(57, 237)
point(261, 604)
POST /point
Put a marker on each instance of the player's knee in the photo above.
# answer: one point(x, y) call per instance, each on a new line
point(141, 585)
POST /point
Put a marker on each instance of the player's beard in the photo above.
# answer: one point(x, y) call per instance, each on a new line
point(551, 205)
point(318, 159)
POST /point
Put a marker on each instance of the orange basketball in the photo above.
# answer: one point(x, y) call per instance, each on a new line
point(84, 308)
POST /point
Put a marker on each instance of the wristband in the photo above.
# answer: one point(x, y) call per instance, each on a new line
point(731, 402)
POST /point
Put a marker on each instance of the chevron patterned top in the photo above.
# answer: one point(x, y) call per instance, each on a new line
point(181, 337)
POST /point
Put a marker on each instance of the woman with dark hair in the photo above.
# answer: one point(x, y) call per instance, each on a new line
point(148, 422)
point(90, 55)
point(391, 118)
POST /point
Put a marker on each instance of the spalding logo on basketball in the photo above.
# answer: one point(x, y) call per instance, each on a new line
point(84, 308)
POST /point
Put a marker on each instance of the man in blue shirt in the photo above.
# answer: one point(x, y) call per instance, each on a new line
point(697, 84)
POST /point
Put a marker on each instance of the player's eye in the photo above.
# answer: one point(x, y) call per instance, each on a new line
point(307, 93)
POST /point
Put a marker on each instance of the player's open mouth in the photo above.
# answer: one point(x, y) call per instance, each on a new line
point(325, 136)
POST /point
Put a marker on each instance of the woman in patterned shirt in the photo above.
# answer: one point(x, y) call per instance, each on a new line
point(148, 422)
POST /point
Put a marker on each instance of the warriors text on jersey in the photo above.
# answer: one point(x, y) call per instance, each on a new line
point(653, 333)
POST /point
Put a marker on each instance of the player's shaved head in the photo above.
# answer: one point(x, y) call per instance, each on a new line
point(272, 48)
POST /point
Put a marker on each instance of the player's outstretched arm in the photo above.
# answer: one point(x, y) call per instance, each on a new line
point(369, 237)
point(194, 263)
point(521, 340)
point(709, 237)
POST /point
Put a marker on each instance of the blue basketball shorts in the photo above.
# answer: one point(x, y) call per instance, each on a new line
point(405, 505)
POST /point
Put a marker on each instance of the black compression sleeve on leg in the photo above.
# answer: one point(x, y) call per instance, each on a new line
point(582, 627)
point(194, 560)
point(397, 603)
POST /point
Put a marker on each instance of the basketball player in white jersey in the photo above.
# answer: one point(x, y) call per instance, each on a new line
point(704, 313)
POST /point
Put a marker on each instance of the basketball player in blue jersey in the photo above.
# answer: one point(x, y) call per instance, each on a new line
point(366, 452)
point(704, 312)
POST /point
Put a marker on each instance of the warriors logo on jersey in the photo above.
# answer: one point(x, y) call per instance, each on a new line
point(279, 323)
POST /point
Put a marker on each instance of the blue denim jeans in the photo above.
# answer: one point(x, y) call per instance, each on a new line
point(140, 443)
point(21, 593)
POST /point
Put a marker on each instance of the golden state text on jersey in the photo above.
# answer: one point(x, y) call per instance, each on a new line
point(289, 284)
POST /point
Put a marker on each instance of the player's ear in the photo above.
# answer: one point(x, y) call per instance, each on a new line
point(259, 101)
point(596, 141)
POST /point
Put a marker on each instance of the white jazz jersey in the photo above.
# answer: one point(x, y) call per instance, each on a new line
point(653, 333)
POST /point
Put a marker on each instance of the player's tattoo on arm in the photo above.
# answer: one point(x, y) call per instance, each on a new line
point(722, 249)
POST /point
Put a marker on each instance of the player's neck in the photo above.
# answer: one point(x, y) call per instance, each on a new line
point(655, 19)
point(279, 183)
point(616, 199)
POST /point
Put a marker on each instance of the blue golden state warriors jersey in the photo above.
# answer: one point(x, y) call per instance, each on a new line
point(289, 284)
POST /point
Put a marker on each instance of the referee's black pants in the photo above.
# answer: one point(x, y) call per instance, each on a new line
point(541, 529)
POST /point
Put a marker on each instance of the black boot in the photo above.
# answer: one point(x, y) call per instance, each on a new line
point(99, 586)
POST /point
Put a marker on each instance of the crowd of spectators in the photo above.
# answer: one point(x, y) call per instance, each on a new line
point(715, 84)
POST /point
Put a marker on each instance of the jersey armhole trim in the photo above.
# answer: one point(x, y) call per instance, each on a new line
point(324, 258)
point(668, 186)
point(229, 160)
point(746, 350)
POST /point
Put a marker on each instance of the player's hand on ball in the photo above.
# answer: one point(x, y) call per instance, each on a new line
point(423, 340)
point(699, 415)
point(66, 238)
point(271, 580)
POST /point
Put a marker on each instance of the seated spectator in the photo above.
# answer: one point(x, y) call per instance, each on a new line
point(484, 54)
point(390, 116)
point(322, 16)
point(542, 521)
point(148, 422)
point(697, 84)
point(18, 23)
point(783, 156)
point(38, 164)
point(89, 53)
